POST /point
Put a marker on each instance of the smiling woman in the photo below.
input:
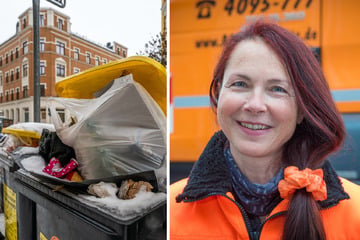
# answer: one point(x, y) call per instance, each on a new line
point(255, 109)
point(265, 174)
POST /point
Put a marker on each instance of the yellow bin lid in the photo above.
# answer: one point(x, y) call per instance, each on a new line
point(21, 132)
point(25, 136)
point(146, 71)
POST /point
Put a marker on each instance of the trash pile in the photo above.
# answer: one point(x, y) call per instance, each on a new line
point(115, 136)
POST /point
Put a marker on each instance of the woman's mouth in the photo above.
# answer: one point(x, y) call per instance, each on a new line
point(254, 126)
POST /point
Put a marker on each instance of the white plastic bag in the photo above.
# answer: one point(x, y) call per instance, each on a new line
point(121, 132)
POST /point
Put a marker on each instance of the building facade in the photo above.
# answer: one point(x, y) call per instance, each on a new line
point(62, 53)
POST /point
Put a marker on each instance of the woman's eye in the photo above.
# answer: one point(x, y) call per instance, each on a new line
point(239, 84)
point(278, 89)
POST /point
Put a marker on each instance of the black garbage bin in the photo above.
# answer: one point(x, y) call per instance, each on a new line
point(48, 214)
point(35, 209)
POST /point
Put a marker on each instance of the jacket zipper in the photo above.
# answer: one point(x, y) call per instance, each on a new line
point(267, 219)
point(242, 210)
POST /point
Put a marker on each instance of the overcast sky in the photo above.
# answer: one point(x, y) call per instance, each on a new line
point(131, 23)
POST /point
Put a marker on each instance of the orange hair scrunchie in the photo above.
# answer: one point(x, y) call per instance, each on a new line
point(294, 179)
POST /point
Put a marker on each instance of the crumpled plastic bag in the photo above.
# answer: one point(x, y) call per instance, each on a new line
point(123, 131)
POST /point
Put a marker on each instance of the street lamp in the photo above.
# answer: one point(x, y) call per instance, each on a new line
point(36, 45)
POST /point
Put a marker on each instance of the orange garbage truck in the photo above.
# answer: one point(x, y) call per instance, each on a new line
point(198, 30)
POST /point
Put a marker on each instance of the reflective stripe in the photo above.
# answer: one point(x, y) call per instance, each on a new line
point(346, 95)
point(192, 102)
point(201, 101)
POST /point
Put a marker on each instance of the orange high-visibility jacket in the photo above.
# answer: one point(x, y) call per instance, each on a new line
point(202, 207)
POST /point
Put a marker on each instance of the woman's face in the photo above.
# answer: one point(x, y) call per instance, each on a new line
point(257, 109)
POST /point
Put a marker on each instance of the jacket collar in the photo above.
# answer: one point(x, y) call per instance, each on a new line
point(210, 175)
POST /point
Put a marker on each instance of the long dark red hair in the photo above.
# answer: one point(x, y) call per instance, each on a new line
point(322, 130)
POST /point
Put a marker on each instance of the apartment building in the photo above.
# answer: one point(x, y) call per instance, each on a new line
point(62, 53)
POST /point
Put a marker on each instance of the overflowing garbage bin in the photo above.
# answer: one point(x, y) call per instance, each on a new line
point(44, 214)
point(100, 173)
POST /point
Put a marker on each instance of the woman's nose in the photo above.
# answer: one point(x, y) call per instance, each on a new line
point(255, 102)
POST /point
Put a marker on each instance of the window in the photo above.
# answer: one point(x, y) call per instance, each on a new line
point(17, 73)
point(26, 115)
point(25, 70)
point(104, 61)
point(76, 70)
point(17, 93)
point(1, 98)
point(25, 91)
point(7, 77)
point(60, 24)
point(42, 90)
point(11, 55)
point(124, 53)
point(97, 61)
point(24, 23)
point(12, 75)
point(17, 52)
point(6, 58)
point(18, 114)
point(42, 68)
point(60, 48)
point(60, 70)
point(12, 95)
point(88, 58)
point(43, 114)
point(42, 45)
point(0, 61)
point(1, 83)
point(76, 53)
point(42, 20)
point(25, 47)
point(7, 96)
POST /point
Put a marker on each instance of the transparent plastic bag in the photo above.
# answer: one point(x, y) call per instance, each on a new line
point(121, 132)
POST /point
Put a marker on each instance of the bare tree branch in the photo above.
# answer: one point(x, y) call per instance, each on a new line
point(156, 48)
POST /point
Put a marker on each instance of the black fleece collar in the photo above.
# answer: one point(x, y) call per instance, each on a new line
point(210, 175)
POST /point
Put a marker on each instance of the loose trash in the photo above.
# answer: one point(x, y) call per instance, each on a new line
point(51, 146)
point(55, 168)
point(129, 188)
point(103, 189)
